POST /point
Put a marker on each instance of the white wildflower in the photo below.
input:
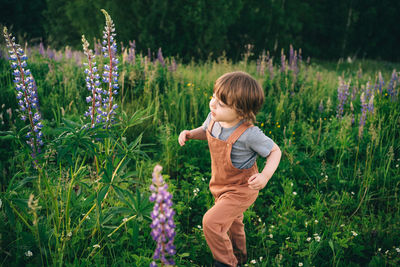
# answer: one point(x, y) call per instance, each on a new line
point(69, 234)
point(124, 219)
point(379, 249)
point(29, 253)
point(271, 236)
point(253, 261)
point(316, 221)
point(398, 250)
point(287, 238)
point(291, 184)
point(199, 226)
point(300, 264)
point(308, 239)
point(96, 246)
point(352, 193)
point(342, 225)
point(317, 238)
point(387, 251)
point(294, 193)
point(354, 233)
point(261, 258)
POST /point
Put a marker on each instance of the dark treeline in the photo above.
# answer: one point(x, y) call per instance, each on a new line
point(199, 29)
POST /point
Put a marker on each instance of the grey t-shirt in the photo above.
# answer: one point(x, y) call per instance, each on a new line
point(251, 143)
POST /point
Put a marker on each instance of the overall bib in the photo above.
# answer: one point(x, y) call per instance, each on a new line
point(223, 224)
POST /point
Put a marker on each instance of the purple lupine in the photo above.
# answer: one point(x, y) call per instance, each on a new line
point(26, 93)
point(299, 58)
point(173, 66)
point(380, 83)
point(50, 53)
point(132, 52)
point(283, 62)
point(110, 74)
point(352, 113)
point(321, 107)
point(160, 57)
point(92, 84)
point(163, 226)
point(392, 85)
point(41, 49)
point(368, 90)
point(291, 56)
point(343, 93)
point(270, 67)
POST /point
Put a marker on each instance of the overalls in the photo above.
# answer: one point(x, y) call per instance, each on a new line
point(232, 196)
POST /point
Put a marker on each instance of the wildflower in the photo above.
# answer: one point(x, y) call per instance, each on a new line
point(316, 221)
point(29, 253)
point(300, 264)
point(343, 93)
point(110, 74)
point(253, 261)
point(132, 52)
point(26, 93)
point(92, 84)
point(379, 249)
point(308, 239)
point(398, 250)
point(173, 66)
point(283, 62)
point(96, 246)
point(317, 238)
point(270, 67)
point(69, 234)
point(160, 57)
point(271, 236)
point(380, 84)
point(294, 193)
point(392, 85)
point(163, 226)
point(261, 259)
point(354, 233)
point(199, 226)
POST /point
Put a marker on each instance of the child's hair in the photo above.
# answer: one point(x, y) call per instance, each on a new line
point(241, 92)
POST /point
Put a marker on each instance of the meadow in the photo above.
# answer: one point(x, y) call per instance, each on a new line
point(78, 193)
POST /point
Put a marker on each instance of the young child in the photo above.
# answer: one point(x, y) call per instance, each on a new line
point(234, 144)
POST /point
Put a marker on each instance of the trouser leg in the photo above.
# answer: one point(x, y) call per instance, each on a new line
point(237, 236)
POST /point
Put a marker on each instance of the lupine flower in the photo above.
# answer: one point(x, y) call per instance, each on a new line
point(92, 84)
point(163, 226)
point(50, 53)
point(392, 85)
point(343, 93)
point(132, 52)
point(270, 67)
point(283, 62)
point(379, 85)
point(160, 57)
point(110, 74)
point(321, 107)
point(173, 66)
point(291, 55)
point(352, 112)
point(41, 49)
point(26, 93)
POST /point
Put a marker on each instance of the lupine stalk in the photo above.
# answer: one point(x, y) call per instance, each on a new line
point(392, 85)
point(343, 93)
point(283, 62)
point(380, 83)
point(132, 52)
point(163, 226)
point(110, 75)
point(364, 108)
point(92, 84)
point(27, 93)
point(160, 57)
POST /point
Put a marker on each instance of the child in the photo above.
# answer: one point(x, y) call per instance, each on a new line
point(234, 144)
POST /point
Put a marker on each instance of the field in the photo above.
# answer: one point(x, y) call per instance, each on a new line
point(82, 197)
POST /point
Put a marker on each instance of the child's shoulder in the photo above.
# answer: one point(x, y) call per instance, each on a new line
point(254, 133)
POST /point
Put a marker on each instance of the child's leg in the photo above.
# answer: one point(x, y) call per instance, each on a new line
point(238, 238)
point(216, 223)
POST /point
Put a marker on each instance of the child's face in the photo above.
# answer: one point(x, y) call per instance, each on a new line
point(221, 112)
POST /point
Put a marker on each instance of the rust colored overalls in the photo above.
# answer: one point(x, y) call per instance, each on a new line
point(223, 224)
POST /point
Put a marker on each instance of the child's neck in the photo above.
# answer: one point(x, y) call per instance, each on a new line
point(229, 124)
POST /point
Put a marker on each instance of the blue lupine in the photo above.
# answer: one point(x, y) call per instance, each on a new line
point(26, 93)
point(163, 226)
point(110, 75)
point(392, 85)
point(92, 83)
point(343, 93)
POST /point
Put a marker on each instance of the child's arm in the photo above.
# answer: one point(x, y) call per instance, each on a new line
point(198, 133)
point(259, 180)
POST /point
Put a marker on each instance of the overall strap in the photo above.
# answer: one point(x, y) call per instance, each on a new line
point(211, 125)
point(238, 132)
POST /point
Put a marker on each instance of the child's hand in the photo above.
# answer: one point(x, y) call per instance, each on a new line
point(257, 181)
point(183, 137)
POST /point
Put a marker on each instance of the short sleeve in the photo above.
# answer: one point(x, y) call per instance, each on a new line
point(259, 142)
point(207, 122)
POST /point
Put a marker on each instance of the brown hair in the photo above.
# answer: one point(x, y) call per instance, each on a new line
point(241, 92)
